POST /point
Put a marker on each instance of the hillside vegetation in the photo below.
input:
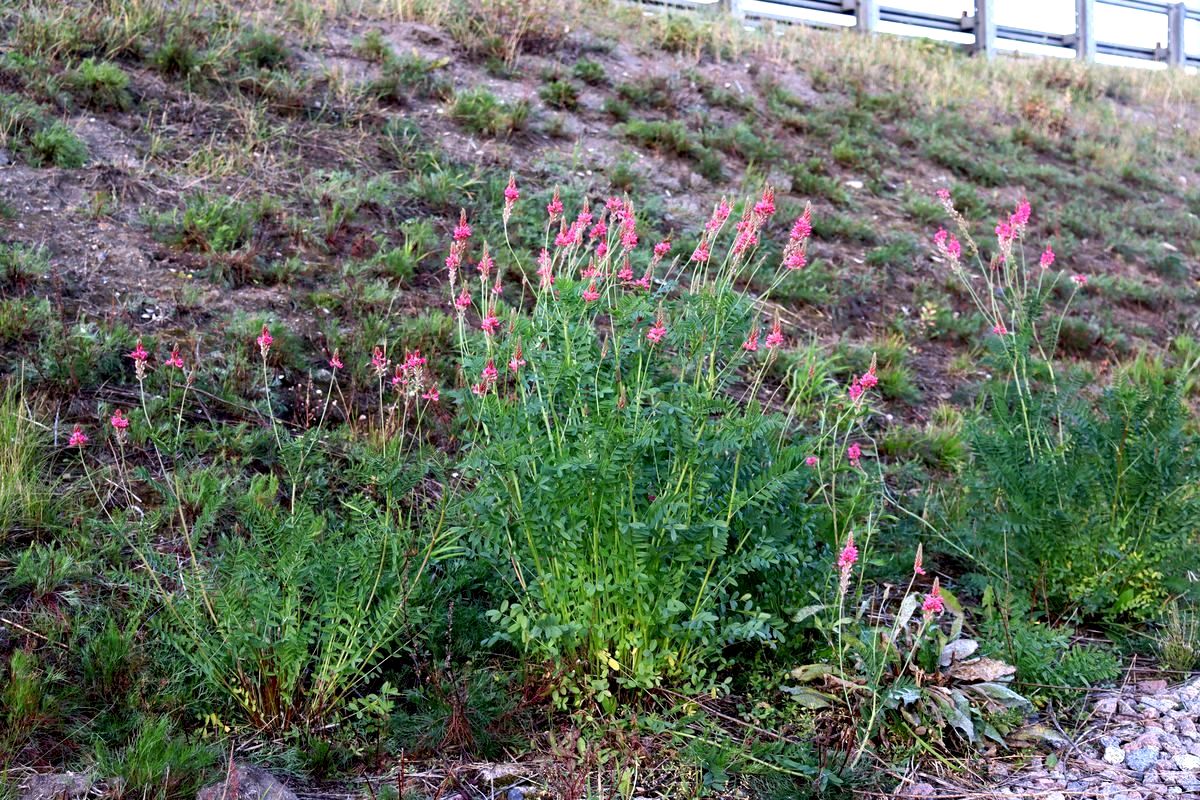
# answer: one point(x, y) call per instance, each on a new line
point(579, 398)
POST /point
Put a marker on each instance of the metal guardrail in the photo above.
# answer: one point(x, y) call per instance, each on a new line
point(867, 14)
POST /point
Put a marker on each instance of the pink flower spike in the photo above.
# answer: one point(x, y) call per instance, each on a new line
point(335, 360)
point(855, 391)
point(139, 353)
point(264, 341)
point(796, 259)
point(489, 373)
point(1020, 217)
point(78, 437)
point(485, 262)
point(1047, 259)
point(379, 361)
point(812, 461)
point(765, 207)
point(462, 231)
point(917, 568)
point(590, 294)
point(463, 301)
point(775, 337)
point(849, 555)
point(662, 249)
point(555, 207)
point(751, 343)
point(1079, 280)
point(511, 193)
point(490, 324)
point(432, 395)
point(1004, 232)
point(869, 379)
point(701, 254)
point(999, 329)
point(943, 196)
point(934, 604)
point(720, 214)
point(854, 453)
point(119, 420)
point(175, 360)
point(802, 227)
point(517, 361)
point(658, 331)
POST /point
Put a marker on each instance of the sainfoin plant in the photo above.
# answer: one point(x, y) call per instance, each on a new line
point(641, 489)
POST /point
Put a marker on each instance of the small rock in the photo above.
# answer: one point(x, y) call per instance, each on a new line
point(64, 786)
point(245, 782)
point(1138, 760)
point(1056, 796)
point(1113, 754)
point(1151, 687)
point(515, 794)
point(1186, 780)
point(855, 184)
point(920, 790)
point(1186, 761)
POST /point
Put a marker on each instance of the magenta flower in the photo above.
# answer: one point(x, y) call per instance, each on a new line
point(379, 361)
point(849, 555)
point(943, 196)
point(485, 263)
point(555, 207)
point(765, 207)
point(845, 563)
point(545, 270)
point(432, 395)
point(1020, 217)
point(489, 373)
point(658, 331)
point(264, 341)
point(625, 274)
point(598, 231)
point(139, 353)
point(335, 360)
point(933, 601)
point(999, 329)
point(812, 461)
point(1079, 280)
point(590, 294)
point(854, 453)
point(775, 337)
point(869, 379)
point(511, 194)
point(462, 231)
point(1004, 232)
point(1047, 259)
point(855, 391)
point(490, 324)
point(662, 249)
point(802, 227)
point(463, 301)
point(947, 244)
point(175, 360)
point(796, 259)
point(517, 361)
point(602, 250)
point(917, 568)
point(78, 437)
point(719, 215)
point(751, 343)
point(119, 421)
point(701, 254)
point(497, 290)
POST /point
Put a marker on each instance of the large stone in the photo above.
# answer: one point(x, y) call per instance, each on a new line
point(1187, 761)
point(1139, 760)
point(245, 782)
point(56, 786)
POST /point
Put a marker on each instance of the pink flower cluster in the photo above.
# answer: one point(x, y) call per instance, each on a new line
point(845, 563)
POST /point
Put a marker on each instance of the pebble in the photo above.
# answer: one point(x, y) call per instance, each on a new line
point(1113, 754)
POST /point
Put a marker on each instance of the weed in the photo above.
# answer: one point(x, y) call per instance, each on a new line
point(100, 84)
point(56, 145)
point(480, 111)
point(590, 72)
point(560, 94)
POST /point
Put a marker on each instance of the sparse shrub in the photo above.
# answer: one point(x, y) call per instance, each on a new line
point(100, 84)
point(410, 75)
point(259, 49)
point(560, 94)
point(57, 145)
point(159, 762)
point(218, 224)
point(480, 111)
point(590, 72)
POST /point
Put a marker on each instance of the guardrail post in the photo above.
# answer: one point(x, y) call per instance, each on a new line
point(1176, 52)
point(866, 15)
point(1085, 30)
point(985, 29)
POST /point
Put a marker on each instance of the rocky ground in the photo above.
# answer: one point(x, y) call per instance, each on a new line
point(1140, 743)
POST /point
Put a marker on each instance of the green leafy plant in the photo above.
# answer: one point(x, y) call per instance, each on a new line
point(480, 111)
point(100, 84)
point(645, 518)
